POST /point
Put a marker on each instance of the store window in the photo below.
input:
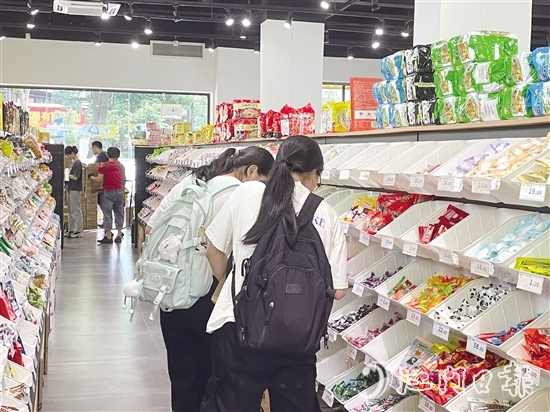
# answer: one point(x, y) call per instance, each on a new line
point(333, 92)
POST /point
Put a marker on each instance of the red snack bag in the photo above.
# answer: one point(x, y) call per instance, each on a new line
point(537, 345)
point(15, 354)
point(6, 311)
point(246, 129)
point(246, 109)
point(306, 116)
point(290, 123)
point(276, 124)
point(262, 131)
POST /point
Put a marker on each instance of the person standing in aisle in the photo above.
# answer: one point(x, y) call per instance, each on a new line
point(188, 346)
point(239, 376)
point(113, 177)
point(74, 188)
point(97, 150)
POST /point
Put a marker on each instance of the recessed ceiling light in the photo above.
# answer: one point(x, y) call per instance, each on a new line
point(105, 15)
point(287, 24)
point(375, 44)
point(246, 22)
point(229, 21)
point(34, 12)
point(242, 36)
point(148, 30)
point(128, 17)
point(405, 33)
point(379, 31)
point(135, 43)
point(325, 5)
point(30, 23)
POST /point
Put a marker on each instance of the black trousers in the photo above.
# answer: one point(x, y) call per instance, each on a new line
point(240, 377)
point(189, 352)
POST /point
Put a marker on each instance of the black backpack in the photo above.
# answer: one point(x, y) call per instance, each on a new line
point(287, 293)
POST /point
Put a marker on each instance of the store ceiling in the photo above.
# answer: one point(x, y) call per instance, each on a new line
point(350, 25)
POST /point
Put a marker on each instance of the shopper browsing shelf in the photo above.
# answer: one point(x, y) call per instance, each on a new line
point(74, 187)
point(97, 150)
point(113, 176)
point(258, 215)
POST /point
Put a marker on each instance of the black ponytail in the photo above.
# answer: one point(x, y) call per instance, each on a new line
point(71, 150)
point(233, 159)
point(297, 154)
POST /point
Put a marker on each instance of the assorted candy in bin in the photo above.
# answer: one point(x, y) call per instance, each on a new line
point(360, 341)
point(540, 60)
point(374, 280)
point(537, 345)
point(344, 391)
point(401, 288)
point(361, 206)
point(498, 338)
point(439, 287)
point(380, 405)
point(343, 322)
point(470, 163)
point(451, 217)
point(537, 266)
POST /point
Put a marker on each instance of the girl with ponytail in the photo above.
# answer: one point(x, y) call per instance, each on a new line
point(240, 377)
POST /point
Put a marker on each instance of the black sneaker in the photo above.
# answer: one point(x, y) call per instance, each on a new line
point(105, 240)
point(118, 239)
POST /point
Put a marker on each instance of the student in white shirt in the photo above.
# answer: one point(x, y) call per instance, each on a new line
point(239, 377)
point(188, 346)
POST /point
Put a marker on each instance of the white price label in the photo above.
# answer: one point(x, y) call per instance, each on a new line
point(476, 347)
point(533, 192)
point(426, 404)
point(481, 185)
point(369, 360)
point(396, 383)
point(325, 175)
point(345, 228)
point(529, 372)
point(414, 317)
point(481, 268)
point(410, 249)
point(364, 238)
point(530, 283)
point(383, 302)
point(446, 256)
point(364, 175)
point(328, 397)
point(449, 184)
point(351, 352)
point(358, 289)
point(389, 180)
point(332, 335)
point(387, 242)
point(441, 331)
point(344, 174)
point(417, 181)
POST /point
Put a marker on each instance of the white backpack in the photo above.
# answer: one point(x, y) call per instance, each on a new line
point(172, 271)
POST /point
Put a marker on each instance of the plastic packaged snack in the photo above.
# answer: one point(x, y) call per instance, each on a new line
point(398, 115)
point(379, 92)
point(246, 109)
point(540, 60)
point(489, 77)
point(246, 129)
point(467, 108)
point(414, 113)
point(447, 110)
point(465, 79)
point(420, 86)
point(538, 98)
point(341, 116)
point(445, 80)
point(511, 102)
point(538, 266)
point(393, 66)
point(383, 116)
point(418, 60)
point(483, 46)
point(488, 107)
point(429, 112)
point(395, 90)
point(441, 53)
point(519, 70)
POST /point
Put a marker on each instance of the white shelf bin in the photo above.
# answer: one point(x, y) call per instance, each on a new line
point(409, 404)
point(352, 374)
point(508, 312)
point(338, 196)
point(346, 300)
point(367, 257)
point(355, 247)
point(516, 184)
point(442, 154)
point(373, 321)
point(20, 374)
point(333, 347)
point(538, 401)
point(326, 191)
point(518, 352)
point(379, 390)
point(417, 273)
point(410, 219)
point(456, 298)
point(332, 151)
point(364, 173)
point(389, 263)
point(353, 306)
point(335, 365)
point(353, 164)
point(541, 249)
point(352, 151)
point(8, 401)
point(398, 165)
point(426, 250)
point(345, 205)
point(502, 269)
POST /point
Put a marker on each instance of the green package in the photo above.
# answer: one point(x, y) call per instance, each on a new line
point(486, 77)
point(441, 54)
point(519, 70)
point(511, 103)
point(446, 82)
point(467, 108)
point(483, 46)
point(446, 110)
point(465, 79)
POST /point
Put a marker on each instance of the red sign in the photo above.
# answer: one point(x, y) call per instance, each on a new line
point(363, 106)
point(43, 115)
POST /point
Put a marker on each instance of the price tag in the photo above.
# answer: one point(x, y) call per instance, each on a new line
point(410, 249)
point(383, 302)
point(344, 174)
point(441, 331)
point(389, 180)
point(481, 185)
point(530, 283)
point(414, 317)
point(417, 181)
point(345, 228)
point(529, 372)
point(478, 267)
point(446, 256)
point(364, 238)
point(396, 383)
point(476, 347)
point(332, 335)
point(449, 184)
point(426, 404)
point(387, 242)
point(328, 397)
point(533, 192)
point(358, 289)
point(369, 360)
point(351, 352)
point(325, 175)
point(364, 175)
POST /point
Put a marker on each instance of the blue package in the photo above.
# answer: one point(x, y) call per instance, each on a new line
point(398, 115)
point(396, 90)
point(538, 98)
point(540, 60)
point(383, 116)
point(393, 66)
point(379, 92)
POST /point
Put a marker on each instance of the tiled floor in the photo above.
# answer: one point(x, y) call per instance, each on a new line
point(98, 360)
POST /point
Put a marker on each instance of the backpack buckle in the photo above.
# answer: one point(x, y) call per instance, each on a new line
point(261, 282)
point(157, 301)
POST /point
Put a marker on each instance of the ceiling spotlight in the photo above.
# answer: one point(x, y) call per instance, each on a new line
point(256, 48)
point(379, 31)
point(242, 36)
point(148, 30)
point(246, 20)
point(34, 12)
point(30, 23)
point(229, 21)
point(375, 5)
point(210, 47)
point(135, 43)
point(325, 5)
point(350, 54)
point(104, 15)
point(98, 40)
point(2, 37)
point(128, 17)
point(288, 23)
point(375, 44)
point(405, 31)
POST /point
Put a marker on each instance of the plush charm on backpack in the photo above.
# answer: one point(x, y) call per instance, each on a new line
point(170, 247)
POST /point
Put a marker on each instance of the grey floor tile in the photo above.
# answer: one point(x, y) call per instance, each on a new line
point(136, 402)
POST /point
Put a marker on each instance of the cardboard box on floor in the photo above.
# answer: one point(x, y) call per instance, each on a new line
point(91, 186)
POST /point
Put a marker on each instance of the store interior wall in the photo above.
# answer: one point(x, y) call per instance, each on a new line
point(237, 75)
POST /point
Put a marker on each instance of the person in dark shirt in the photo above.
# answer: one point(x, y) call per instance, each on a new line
point(74, 188)
point(97, 150)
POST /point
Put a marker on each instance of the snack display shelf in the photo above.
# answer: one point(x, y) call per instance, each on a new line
point(351, 307)
point(336, 364)
point(159, 189)
point(165, 175)
point(536, 402)
point(330, 173)
point(392, 263)
point(377, 391)
point(532, 194)
point(360, 261)
point(348, 172)
point(531, 281)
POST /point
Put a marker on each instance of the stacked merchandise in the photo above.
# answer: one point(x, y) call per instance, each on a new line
point(288, 122)
point(236, 121)
point(89, 199)
point(156, 136)
point(336, 117)
point(13, 119)
point(538, 94)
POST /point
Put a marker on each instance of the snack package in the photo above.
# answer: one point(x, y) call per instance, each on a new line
point(519, 70)
point(326, 118)
point(429, 112)
point(536, 344)
point(361, 206)
point(467, 108)
point(538, 98)
point(246, 109)
point(418, 348)
point(483, 46)
point(441, 53)
point(383, 116)
point(398, 115)
point(262, 128)
point(540, 60)
point(341, 116)
point(490, 77)
point(420, 86)
point(414, 113)
point(511, 102)
point(451, 217)
point(538, 266)
point(393, 66)
point(418, 60)
point(446, 110)
point(445, 80)
point(379, 92)
point(306, 117)
point(395, 91)
point(246, 129)
point(290, 123)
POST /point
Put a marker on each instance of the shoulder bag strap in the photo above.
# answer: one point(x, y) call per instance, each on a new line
point(308, 211)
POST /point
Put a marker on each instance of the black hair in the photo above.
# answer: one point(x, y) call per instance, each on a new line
point(70, 150)
point(233, 159)
point(97, 144)
point(297, 154)
point(113, 153)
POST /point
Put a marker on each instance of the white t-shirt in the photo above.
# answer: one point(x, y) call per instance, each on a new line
point(233, 222)
point(178, 189)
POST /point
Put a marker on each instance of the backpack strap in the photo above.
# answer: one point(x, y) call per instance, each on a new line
point(308, 211)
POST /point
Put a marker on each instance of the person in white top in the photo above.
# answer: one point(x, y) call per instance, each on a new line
point(239, 377)
point(188, 346)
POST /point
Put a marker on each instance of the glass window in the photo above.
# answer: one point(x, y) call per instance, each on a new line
point(335, 93)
